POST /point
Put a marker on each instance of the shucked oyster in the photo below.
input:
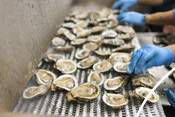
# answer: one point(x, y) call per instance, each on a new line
point(82, 23)
point(102, 66)
point(94, 16)
point(116, 100)
point(83, 33)
point(44, 77)
point(87, 62)
point(94, 38)
point(127, 36)
point(125, 48)
point(103, 52)
point(69, 25)
point(82, 15)
point(105, 12)
point(116, 83)
point(121, 67)
point(145, 80)
point(54, 57)
point(61, 31)
point(65, 66)
point(77, 30)
point(113, 42)
point(97, 29)
point(78, 41)
point(124, 29)
point(84, 93)
point(91, 46)
point(34, 91)
point(113, 23)
point(109, 33)
point(66, 82)
point(120, 57)
point(70, 36)
point(142, 92)
point(95, 77)
point(64, 48)
point(82, 54)
point(57, 41)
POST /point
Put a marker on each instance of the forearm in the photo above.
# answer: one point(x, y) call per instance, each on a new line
point(161, 18)
point(172, 48)
point(150, 2)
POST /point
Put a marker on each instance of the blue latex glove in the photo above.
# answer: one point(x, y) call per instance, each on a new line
point(170, 96)
point(125, 4)
point(132, 17)
point(149, 56)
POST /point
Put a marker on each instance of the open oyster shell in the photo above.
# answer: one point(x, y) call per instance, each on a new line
point(124, 29)
point(102, 66)
point(64, 48)
point(127, 36)
point(120, 57)
point(81, 54)
point(95, 77)
point(116, 83)
point(115, 100)
point(65, 66)
point(125, 48)
point(77, 30)
point(121, 67)
point(97, 29)
point(82, 23)
point(94, 38)
point(113, 42)
point(54, 57)
point(109, 33)
point(146, 80)
point(91, 46)
point(87, 62)
point(78, 41)
point(34, 91)
point(69, 25)
point(69, 36)
point(57, 41)
point(94, 16)
point(113, 23)
point(61, 31)
point(84, 33)
point(66, 82)
point(82, 15)
point(142, 92)
point(103, 52)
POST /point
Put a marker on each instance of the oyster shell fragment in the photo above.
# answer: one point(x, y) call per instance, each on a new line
point(57, 41)
point(102, 66)
point(87, 62)
point(95, 77)
point(121, 67)
point(81, 54)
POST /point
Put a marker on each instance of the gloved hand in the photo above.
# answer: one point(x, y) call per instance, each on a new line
point(170, 96)
point(148, 56)
point(132, 17)
point(125, 4)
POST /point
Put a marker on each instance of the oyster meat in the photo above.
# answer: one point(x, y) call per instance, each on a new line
point(84, 93)
point(57, 41)
point(87, 62)
point(142, 92)
point(125, 48)
point(69, 25)
point(103, 52)
point(97, 29)
point(120, 57)
point(102, 66)
point(127, 36)
point(70, 36)
point(66, 82)
point(95, 77)
point(61, 31)
point(34, 91)
point(78, 41)
point(54, 57)
point(84, 33)
point(121, 67)
point(65, 66)
point(44, 77)
point(115, 100)
point(64, 48)
point(124, 29)
point(94, 38)
point(91, 46)
point(146, 80)
point(81, 54)
point(113, 42)
point(116, 83)
point(109, 33)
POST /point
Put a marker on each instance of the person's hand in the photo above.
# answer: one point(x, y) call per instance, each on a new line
point(132, 17)
point(170, 96)
point(125, 4)
point(149, 56)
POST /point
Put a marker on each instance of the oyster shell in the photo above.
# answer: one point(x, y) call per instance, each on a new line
point(142, 92)
point(115, 100)
point(109, 33)
point(66, 82)
point(82, 15)
point(95, 77)
point(120, 57)
point(146, 80)
point(78, 41)
point(69, 25)
point(77, 30)
point(61, 31)
point(116, 11)
point(64, 48)
point(94, 16)
point(127, 36)
point(94, 38)
point(74, 13)
point(97, 29)
point(65, 66)
point(82, 54)
point(84, 33)
point(112, 23)
point(121, 67)
point(70, 36)
point(54, 57)
point(34, 91)
point(91, 46)
point(116, 83)
point(124, 29)
point(44, 77)
point(102, 66)
point(105, 12)
point(103, 52)
point(57, 41)
point(125, 48)
point(84, 93)
point(82, 23)
point(87, 62)
point(113, 42)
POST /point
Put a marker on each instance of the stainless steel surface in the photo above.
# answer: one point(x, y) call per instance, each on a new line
point(158, 72)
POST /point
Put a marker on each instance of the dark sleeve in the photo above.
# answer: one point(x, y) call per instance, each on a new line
point(165, 2)
point(174, 14)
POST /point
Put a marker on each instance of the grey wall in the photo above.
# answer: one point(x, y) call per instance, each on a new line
point(26, 28)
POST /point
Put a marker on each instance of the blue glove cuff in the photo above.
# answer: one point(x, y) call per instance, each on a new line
point(143, 19)
point(171, 56)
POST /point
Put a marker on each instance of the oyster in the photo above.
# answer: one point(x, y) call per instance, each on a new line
point(91, 46)
point(95, 77)
point(66, 82)
point(82, 23)
point(77, 30)
point(64, 48)
point(116, 83)
point(127, 36)
point(125, 48)
point(102, 66)
point(70, 36)
point(78, 41)
point(54, 57)
point(120, 57)
point(82, 54)
point(84, 93)
point(94, 16)
point(74, 13)
point(94, 38)
point(113, 42)
point(112, 23)
point(34, 91)
point(61, 31)
point(105, 12)
point(116, 11)
point(115, 100)
point(44, 77)
point(109, 33)
point(65, 66)
point(97, 29)
point(124, 29)
point(103, 20)
point(121, 67)
point(83, 33)
point(57, 41)
point(69, 25)
point(82, 15)
point(87, 62)
point(103, 52)
point(146, 80)
point(142, 92)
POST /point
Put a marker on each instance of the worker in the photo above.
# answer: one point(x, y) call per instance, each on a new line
point(149, 55)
